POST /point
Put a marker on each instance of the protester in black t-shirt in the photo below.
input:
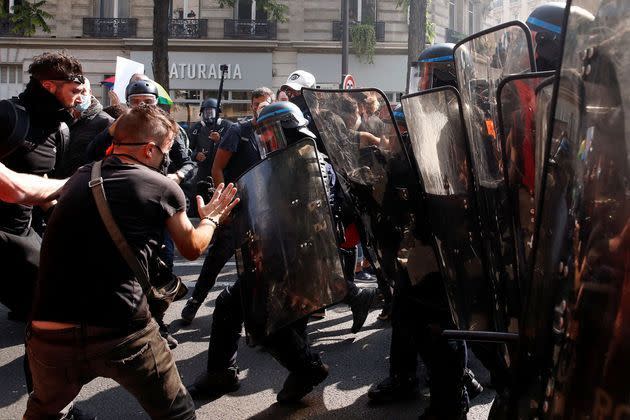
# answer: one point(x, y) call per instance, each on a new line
point(237, 152)
point(55, 87)
point(92, 319)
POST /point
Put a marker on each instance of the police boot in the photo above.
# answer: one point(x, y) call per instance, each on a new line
point(473, 387)
point(300, 383)
point(394, 388)
point(190, 310)
point(361, 305)
point(215, 383)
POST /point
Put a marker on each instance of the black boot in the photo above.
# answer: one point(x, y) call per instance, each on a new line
point(394, 388)
point(190, 310)
point(215, 383)
point(361, 305)
point(473, 387)
point(300, 383)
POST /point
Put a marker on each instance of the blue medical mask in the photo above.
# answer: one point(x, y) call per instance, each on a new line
point(85, 103)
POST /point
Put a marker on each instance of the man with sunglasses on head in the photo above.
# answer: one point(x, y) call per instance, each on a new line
point(33, 134)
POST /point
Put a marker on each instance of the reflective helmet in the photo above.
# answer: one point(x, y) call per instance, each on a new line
point(545, 23)
point(279, 125)
point(435, 68)
point(141, 87)
point(209, 110)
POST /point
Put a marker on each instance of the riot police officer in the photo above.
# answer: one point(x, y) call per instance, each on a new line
point(278, 125)
point(419, 310)
point(205, 136)
point(545, 24)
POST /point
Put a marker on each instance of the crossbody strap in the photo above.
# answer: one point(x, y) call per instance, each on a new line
point(98, 191)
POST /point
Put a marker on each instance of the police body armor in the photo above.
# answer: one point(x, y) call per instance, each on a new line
point(576, 336)
point(286, 249)
point(374, 170)
point(482, 61)
point(440, 151)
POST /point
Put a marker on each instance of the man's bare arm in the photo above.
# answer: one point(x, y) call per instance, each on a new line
point(22, 188)
point(221, 160)
point(191, 241)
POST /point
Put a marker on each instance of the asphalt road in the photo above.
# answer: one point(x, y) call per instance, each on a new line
point(356, 362)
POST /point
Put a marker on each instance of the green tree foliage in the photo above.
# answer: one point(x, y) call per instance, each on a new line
point(26, 17)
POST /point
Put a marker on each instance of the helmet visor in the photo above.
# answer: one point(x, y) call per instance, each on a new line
point(270, 138)
point(434, 74)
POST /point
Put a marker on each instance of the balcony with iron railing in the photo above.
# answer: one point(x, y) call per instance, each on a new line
point(5, 27)
point(379, 27)
point(249, 29)
point(110, 27)
point(188, 28)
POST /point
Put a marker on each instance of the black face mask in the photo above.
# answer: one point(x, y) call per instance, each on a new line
point(164, 163)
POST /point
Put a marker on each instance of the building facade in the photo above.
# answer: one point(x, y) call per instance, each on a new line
point(203, 35)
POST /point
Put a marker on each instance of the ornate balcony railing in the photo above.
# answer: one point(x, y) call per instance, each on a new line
point(110, 27)
point(249, 29)
point(188, 28)
point(379, 27)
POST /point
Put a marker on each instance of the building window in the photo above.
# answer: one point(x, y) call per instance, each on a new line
point(113, 8)
point(362, 11)
point(249, 10)
point(451, 14)
point(234, 104)
point(471, 17)
point(10, 80)
point(185, 9)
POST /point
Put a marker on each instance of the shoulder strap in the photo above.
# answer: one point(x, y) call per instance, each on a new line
point(96, 184)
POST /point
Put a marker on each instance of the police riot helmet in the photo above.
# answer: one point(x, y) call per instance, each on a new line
point(141, 88)
point(436, 67)
point(545, 23)
point(279, 125)
point(209, 110)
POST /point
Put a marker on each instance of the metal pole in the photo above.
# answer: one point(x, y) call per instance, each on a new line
point(345, 35)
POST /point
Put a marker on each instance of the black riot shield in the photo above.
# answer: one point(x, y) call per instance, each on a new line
point(482, 61)
point(440, 152)
point(576, 335)
point(517, 111)
point(365, 149)
point(286, 250)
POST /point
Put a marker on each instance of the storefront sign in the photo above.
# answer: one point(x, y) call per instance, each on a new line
point(196, 70)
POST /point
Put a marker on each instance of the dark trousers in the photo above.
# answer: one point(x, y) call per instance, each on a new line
point(419, 313)
point(219, 252)
point(63, 361)
point(289, 345)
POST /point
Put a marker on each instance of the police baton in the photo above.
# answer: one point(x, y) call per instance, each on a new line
point(224, 69)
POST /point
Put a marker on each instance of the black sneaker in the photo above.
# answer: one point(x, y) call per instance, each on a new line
point(473, 387)
point(394, 389)
point(215, 383)
point(361, 306)
point(363, 276)
point(78, 414)
point(298, 384)
point(170, 340)
point(190, 310)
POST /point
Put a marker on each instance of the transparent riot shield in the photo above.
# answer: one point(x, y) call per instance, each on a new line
point(482, 61)
point(286, 250)
point(576, 337)
point(365, 149)
point(440, 152)
point(517, 111)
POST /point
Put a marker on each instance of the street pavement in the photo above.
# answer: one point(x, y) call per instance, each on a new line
point(356, 362)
